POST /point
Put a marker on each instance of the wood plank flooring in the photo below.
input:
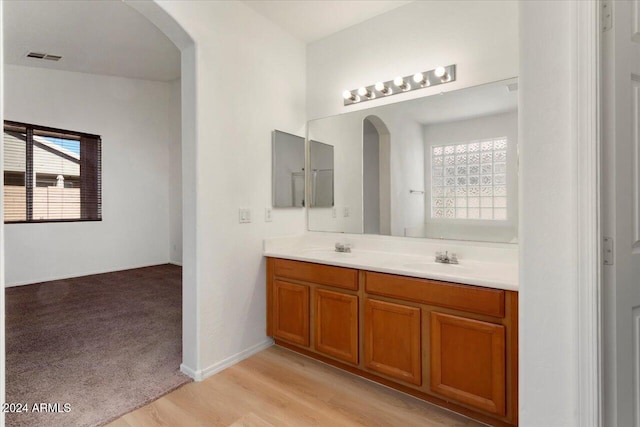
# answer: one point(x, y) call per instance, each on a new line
point(277, 387)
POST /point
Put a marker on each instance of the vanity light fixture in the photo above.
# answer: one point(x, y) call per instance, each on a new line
point(383, 88)
point(437, 76)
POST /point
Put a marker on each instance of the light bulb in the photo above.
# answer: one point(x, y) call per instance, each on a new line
point(382, 88)
point(363, 91)
point(421, 79)
point(440, 72)
point(399, 81)
point(348, 96)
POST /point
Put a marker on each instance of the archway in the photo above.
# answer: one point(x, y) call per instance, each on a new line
point(183, 41)
point(376, 168)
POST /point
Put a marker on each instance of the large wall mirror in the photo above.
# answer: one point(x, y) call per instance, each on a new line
point(443, 166)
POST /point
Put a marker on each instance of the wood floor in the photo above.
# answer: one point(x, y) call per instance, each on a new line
point(277, 387)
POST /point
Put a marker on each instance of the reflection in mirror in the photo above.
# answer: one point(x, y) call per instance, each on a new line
point(442, 166)
point(321, 174)
point(376, 178)
point(288, 170)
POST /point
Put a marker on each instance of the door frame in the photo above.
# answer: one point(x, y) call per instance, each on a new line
point(589, 258)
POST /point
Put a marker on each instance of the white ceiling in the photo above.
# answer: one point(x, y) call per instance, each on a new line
point(99, 37)
point(111, 38)
point(312, 20)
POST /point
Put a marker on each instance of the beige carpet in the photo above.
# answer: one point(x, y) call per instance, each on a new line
point(105, 344)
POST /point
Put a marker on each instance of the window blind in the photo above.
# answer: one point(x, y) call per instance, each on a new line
point(51, 174)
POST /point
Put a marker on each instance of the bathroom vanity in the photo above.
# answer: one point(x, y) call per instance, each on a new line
point(450, 343)
point(443, 170)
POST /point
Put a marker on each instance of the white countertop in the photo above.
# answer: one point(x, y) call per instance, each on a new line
point(501, 273)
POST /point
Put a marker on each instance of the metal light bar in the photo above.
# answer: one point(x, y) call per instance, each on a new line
point(435, 77)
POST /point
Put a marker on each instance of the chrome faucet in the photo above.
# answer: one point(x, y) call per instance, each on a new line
point(446, 258)
point(343, 247)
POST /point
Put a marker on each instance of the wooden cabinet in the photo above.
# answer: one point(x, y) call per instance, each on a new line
point(392, 340)
point(291, 312)
point(336, 325)
point(450, 344)
point(468, 361)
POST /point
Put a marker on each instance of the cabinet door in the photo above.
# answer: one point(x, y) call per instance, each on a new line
point(392, 340)
point(336, 325)
point(291, 312)
point(468, 361)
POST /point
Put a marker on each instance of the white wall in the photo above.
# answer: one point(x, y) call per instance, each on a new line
point(243, 89)
point(175, 174)
point(548, 215)
point(133, 118)
point(493, 126)
point(481, 37)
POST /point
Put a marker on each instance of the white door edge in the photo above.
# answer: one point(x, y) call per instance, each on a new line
point(588, 212)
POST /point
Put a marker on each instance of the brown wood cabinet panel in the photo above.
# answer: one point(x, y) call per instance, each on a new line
point(291, 312)
point(336, 325)
point(468, 361)
point(392, 340)
point(474, 299)
point(339, 277)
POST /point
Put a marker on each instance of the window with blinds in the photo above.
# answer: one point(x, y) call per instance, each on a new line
point(51, 174)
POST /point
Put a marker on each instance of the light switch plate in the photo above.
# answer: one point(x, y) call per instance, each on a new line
point(334, 212)
point(268, 214)
point(346, 212)
point(244, 215)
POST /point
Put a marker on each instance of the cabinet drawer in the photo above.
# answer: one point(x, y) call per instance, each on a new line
point(340, 277)
point(473, 299)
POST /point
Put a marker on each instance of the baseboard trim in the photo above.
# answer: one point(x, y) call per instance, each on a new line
point(192, 373)
point(199, 375)
point(76, 275)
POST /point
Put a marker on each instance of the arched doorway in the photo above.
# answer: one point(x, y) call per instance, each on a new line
point(172, 29)
point(376, 153)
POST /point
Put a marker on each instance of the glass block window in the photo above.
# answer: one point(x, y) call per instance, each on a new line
point(470, 180)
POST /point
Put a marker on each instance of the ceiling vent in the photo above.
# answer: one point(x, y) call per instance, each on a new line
point(47, 56)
